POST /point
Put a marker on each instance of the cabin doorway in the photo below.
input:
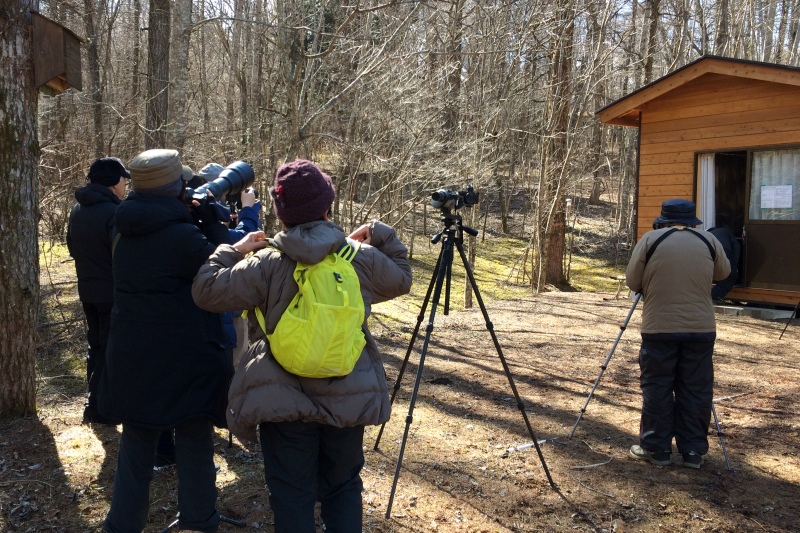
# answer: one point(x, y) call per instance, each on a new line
point(722, 196)
point(756, 193)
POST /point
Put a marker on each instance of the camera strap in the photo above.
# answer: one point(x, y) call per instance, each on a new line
point(666, 234)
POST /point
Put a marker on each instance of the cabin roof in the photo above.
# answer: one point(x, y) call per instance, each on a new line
point(625, 111)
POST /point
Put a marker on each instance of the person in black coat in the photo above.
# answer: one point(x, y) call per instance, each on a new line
point(732, 249)
point(167, 364)
point(89, 236)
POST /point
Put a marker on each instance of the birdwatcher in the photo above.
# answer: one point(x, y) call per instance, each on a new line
point(311, 428)
point(89, 236)
point(673, 267)
point(167, 367)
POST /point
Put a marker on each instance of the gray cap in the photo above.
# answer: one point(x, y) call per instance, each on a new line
point(211, 171)
point(155, 168)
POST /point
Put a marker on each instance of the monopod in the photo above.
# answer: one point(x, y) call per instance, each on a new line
point(603, 367)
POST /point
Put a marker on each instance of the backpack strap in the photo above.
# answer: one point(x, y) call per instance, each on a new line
point(348, 250)
point(658, 241)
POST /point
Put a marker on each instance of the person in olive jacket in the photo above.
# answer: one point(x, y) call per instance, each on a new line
point(89, 236)
point(167, 365)
point(673, 268)
point(311, 429)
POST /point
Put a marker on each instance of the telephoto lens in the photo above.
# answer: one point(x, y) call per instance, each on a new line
point(233, 179)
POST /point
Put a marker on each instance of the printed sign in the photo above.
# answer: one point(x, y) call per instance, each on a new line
point(776, 197)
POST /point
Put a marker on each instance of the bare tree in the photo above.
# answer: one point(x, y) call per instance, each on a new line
point(157, 103)
point(179, 71)
point(19, 158)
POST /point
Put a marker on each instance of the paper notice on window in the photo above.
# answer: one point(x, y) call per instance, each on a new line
point(776, 197)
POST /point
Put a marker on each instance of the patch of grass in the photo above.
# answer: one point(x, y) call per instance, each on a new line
point(591, 274)
point(61, 353)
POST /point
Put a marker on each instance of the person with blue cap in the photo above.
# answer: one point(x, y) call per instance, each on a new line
point(673, 268)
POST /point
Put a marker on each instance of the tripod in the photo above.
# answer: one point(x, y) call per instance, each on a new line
point(605, 363)
point(451, 237)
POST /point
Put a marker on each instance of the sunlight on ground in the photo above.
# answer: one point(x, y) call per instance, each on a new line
point(80, 451)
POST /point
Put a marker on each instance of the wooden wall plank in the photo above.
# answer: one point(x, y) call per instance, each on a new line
point(774, 135)
point(763, 295)
point(667, 169)
point(756, 126)
point(667, 158)
point(732, 117)
point(672, 190)
point(722, 103)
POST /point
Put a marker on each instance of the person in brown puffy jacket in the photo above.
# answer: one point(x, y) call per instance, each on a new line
point(311, 429)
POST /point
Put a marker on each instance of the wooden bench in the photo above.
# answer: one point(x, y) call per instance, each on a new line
point(620, 284)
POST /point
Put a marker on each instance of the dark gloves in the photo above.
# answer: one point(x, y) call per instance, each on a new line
point(209, 216)
point(210, 211)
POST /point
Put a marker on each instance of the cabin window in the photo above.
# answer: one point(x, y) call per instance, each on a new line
point(775, 185)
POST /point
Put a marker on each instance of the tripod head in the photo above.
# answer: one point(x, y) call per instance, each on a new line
point(453, 227)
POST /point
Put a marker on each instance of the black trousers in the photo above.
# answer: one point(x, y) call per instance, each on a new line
point(197, 491)
point(677, 390)
point(98, 321)
point(307, 462)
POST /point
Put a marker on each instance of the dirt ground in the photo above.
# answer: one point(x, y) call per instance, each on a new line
point(460, 471)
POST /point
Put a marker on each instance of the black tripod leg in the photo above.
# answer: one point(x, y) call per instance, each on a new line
point(421, 316)
point(793, 315)
point(232, 521)
point(605, 363)
point(506, 369)
point(445, 258)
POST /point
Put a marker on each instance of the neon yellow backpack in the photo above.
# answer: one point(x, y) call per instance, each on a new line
point(319, 335)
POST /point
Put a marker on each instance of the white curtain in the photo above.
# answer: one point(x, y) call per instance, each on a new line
point(775, 171)
point(706, 194)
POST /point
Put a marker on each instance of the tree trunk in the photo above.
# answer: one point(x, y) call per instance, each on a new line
point(652, 35)
point(93, 55)
point(561, 92)
point(723, 28)
point(454, 67)
point(180, 71)
point(157, 74)
point(233, 72)
point(19, 212)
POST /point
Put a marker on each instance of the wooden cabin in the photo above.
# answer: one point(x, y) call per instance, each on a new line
point(725, 133)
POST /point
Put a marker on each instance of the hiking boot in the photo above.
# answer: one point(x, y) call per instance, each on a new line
point(656, 458)
point(692, 460)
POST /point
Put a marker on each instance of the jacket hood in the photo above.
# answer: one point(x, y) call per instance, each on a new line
point(309, 243)
point(140, 214)
point(94, 193)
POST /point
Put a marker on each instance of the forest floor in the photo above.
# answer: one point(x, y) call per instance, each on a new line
point(462, 470)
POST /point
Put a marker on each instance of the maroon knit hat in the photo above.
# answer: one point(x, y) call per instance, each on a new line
point(301, 193)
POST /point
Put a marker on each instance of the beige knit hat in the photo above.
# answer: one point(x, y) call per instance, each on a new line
point(155, 168)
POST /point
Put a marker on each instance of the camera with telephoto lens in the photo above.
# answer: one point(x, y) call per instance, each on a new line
point(233, 179)
point(447, 200)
